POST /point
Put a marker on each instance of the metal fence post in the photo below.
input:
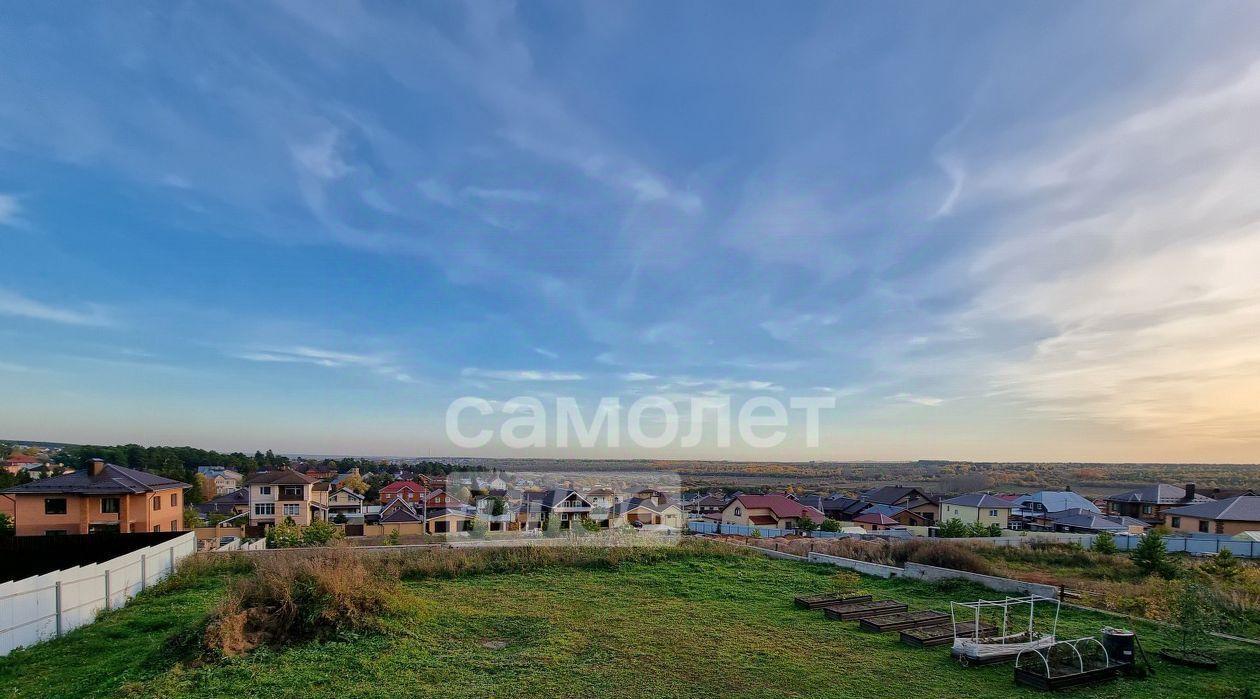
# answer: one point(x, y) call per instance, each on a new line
point(171, 551)
point(144, 572)
point(107, 590)
point(58, 589)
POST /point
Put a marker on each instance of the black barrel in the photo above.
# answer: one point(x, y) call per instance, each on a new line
point(1119, 644)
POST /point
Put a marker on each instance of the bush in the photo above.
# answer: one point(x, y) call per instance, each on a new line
point(830, 525)
point(806, 524)
point(1151, 555)
point(294, 597)
point(319, 533)
point(1104, 543)
point(284, 535)
point(953, 529)
point(939, 553)
point(391, 538)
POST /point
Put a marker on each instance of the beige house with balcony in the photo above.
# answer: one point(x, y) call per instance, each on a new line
point(277, 495)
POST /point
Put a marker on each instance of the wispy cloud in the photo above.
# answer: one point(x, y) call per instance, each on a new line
point(637, 376)
point(521, 375)
point(20, 306)
point(929, 401)
point(9, 209)
point(329, 358)
point(546, 353)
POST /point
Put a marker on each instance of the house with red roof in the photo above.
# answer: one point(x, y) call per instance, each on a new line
point(407, 491)
point(773, 511)
point(875, 522)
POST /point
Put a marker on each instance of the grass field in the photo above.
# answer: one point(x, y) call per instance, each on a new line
point(704, 625)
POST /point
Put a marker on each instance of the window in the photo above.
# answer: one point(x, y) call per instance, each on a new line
point(174, 525)
point(157, 528)
point(55, 506)
point(174, 499)
point(1147, 509)
point(1220, 527)
point(264, 509)
point(739, 512)
point(109, 505)
point(1176, 522)
point(293, 491)
point(264, 490)
point(993, 513)
point(291, 510)
point(1203, 526)
point(157, 503)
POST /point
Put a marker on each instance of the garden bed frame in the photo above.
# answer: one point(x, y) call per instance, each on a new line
point(848, 612)
point(971, 647)
point(902, 620)
point(1029, 666)
point(939, 635)
point(828, 600)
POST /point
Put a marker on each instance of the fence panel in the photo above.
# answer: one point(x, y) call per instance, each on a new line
point(41, 607)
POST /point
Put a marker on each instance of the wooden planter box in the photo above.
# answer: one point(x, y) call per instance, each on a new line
point(904, 620)
point(942, 634)
point(858, 610)
point(1076, 679)
point(828, 600)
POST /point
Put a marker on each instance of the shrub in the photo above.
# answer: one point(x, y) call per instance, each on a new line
point(755, 533)
point(551, 527)
point(830, 525)
point(391, 538)
point(294, 597)
point(480, 527)
point(6, 525)
point(319, 533)
point(590, 525)
point(1104, 543)
point(1225, 565)
point(284, 535)
point(1151, 555)
point(806, 524)
point(953, 529)
point(939, 553)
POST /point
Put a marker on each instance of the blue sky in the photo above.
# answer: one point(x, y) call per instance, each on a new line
point(992, 230)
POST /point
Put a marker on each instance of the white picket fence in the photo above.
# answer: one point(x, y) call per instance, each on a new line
point(46, 606)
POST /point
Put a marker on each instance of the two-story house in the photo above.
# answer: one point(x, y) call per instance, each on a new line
point(977, 508)
point(101, 498)
point(407, 491)
point(347, 502)
point(568, 505)
point(774, 511)
point(1149, 503)
point(277, 495)
point(225, 480)
point(922, 505)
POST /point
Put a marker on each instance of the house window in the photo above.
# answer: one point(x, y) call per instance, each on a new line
point(109, 505)
point(157, 528)
point(1176, 522)
point(54, 506)
point(264, 509)
point(739, 512)
point(1203, 526)
point(157, 503)
point(174, 500)
point(993, 513)
point(1220, 527)
point(264, 490)
point(1147, 509)
point(174, 525)
point(293, 491)
point(291, 510)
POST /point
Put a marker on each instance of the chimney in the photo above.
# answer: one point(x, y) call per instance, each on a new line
point(1189, 491)
point(96, 466)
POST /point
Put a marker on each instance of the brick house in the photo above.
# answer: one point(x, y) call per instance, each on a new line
point(1149, 503)
point(98, 499)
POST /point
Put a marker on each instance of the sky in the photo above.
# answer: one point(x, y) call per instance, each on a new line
point(991, 230)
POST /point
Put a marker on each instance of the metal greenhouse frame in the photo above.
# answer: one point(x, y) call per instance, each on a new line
point(970, 648)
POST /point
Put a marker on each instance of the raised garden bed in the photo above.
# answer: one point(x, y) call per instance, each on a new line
point(1076, 679)
point(829, 599)
point(903, 620)
point(941, 634)
point(1071, 663)
point(1191, 658)
point(858, 610)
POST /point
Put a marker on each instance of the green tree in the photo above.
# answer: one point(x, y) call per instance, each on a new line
point(6, 525)
point(1104, 543)
point(355, 483)
point(830, 525)
point(1151, 555)
point(1193, 615)
point(806, 523)
point(953, 529)
point(192, 518)
point(319, 533)
point(551, 526)
point(392, 537)
point(480, 527)
point(755, 533)
point(590, 525)
point(285, 535)
point(995, 529)
point(1225, 565)
point(340, 518)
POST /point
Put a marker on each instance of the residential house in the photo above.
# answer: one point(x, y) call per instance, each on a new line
point(347, 502)
point(316, 471)
point(398, 510)
point(875, 521)
point(703, 505)
point(229, 505)
point(654, 511)
point(17, 463)
point(1230, 516)
point(977, 508)
point(1079, 520)
point(225, 480)
point(568, 505)
point(774, 511)
point(409, 491)
point(101, 498)
point(444, 513)
point(1149, 503)
point(277, 495)
point(1032, 511)
point(900, 515)
point(341, 477)
point(921, 504)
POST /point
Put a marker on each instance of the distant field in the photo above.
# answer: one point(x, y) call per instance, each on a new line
point(708, 625)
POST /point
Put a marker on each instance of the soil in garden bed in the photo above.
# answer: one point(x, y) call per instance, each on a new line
point(904, 620)
point(846, 612)
point(827, 600)
point(941, 634)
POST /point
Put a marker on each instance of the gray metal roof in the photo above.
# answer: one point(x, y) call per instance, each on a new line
point(980, 500)
point(1157, 494)
point(112, 480)
point(1243, 508)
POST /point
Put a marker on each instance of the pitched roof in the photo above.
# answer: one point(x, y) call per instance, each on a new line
point(889, 494)
point(225, 503)
point(979, 500)
point(21, 459)
point(875, 518)
point(1241, 508)
point(1157, 494)
point(781, 506)
point(402, 485)
point(1054, 501)
point(645, 503)
point(282, 477)
point(111, 480)
point(1098, 522)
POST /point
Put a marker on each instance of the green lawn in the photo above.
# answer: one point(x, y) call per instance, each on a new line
point(703, 626)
